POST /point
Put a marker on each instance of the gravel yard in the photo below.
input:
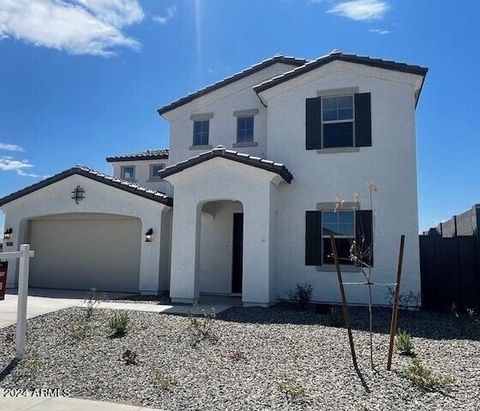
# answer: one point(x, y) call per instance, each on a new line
point(257, 351)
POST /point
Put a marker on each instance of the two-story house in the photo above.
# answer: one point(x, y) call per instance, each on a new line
point(262, 167)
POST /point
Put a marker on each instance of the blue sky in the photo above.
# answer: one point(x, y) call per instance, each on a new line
point(81, 79)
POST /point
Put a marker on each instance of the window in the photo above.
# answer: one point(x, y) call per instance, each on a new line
point(200, 132)
point(128, 173)
point(244, 129)
point(155, 170)
point(341, 224)
point(337, 121)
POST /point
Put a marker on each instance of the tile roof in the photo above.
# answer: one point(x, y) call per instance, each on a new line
point(96, 176)
point(243, 158)
point(160, 154)
point(338, 55)
point(235, 77)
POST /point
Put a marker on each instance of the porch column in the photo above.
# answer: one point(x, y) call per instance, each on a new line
point(185, 252)
point(257, 251)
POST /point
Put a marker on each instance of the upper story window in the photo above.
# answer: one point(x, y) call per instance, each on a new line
point(155, 170)
point(201, 132)
point(337, 121)
point(244, 129)
point(127, 172)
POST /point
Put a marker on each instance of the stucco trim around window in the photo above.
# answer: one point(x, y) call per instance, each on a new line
point(338, 150)
point(201, 147)
point(245, 144)
point(245, 113)
point(337, 91)
point(332, 205)
point(201, 116)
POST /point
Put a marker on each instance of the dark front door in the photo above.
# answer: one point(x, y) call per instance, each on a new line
point(237, 256)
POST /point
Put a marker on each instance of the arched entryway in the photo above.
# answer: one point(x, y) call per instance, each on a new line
point(220, 263)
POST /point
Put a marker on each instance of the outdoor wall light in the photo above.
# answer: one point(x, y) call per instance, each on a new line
point(149, 235)
point(7, 235)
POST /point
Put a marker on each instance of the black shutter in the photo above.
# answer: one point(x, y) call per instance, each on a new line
point(313, 238)
point(363, 120)
point(313, 123)
point(364, 231)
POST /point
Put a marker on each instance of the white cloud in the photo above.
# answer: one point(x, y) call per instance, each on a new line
point(76, 26)
point(361, 9)
point(21, 167)
point(169, 13)
point(10, 147)
point(379, 31)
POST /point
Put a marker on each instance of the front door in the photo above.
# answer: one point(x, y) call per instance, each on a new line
point(237, 255)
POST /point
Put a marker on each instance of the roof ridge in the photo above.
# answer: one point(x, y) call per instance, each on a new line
point(159, 154)
point(278, 58)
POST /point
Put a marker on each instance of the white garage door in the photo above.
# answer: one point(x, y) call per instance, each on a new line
point(81, 251)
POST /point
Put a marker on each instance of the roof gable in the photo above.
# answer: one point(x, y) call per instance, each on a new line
point(96, 176)
point(339, 56)
point(220, 151)
point(229, 80)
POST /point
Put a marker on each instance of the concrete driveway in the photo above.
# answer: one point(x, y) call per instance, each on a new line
point(40, 301)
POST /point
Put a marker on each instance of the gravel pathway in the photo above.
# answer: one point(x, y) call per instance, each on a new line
point(255, 349)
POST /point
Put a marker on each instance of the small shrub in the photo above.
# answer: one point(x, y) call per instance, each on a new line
point(78, 330)
point(334, 318)
point(236, 355)
point(202, 326)
point(424, 379)
point(130, 357)
point(164, 381)
point(404, 343)
point(292, 389)
point(300, 295)
point(92, 300)
point(119, 323)
point(471, 313)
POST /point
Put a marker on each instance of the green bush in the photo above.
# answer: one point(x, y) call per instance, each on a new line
point(292, 389)
point(300, 295)
point(404, 343)
point(119, 323)
point(164, 381)
point(424, 379)
point(78, 330)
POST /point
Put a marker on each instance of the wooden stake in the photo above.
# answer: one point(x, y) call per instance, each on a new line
point(344, 302)
point(396, 299)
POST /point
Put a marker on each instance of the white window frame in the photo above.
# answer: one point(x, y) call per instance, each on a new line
point(339, 121)
point(325, 236)
point(151, 175)
point(122, 173)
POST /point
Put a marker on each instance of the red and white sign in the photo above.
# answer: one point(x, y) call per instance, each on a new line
point(3, 278)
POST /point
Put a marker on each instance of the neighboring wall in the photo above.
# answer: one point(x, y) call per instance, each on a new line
point(222, 104)
point(466, 224)
point(320, 177)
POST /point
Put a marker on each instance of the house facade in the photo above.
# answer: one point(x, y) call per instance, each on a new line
point(262, 167)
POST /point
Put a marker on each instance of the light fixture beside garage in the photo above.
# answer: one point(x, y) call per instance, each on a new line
point(78, 194)
point(149, 235)
point(7, 234)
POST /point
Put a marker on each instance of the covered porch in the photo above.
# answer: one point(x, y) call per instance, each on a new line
point(223, 229)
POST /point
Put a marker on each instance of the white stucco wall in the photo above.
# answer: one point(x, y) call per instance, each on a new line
point(99, 198)
point(223, 126)
point(390, 163)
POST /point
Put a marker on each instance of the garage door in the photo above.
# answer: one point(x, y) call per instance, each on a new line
point(81, 251)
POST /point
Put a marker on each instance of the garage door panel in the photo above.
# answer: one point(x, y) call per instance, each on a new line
point(82, 253)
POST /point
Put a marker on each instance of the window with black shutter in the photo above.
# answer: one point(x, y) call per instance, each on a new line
point(346, 226)
point(338, 121)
